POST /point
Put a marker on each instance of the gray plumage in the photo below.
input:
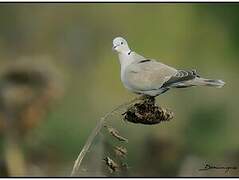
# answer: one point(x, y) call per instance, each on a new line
point(150, 77)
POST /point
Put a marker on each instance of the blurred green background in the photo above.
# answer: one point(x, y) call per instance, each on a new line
point(77, 40)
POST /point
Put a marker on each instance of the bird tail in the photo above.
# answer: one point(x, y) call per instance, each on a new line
point(208, 82)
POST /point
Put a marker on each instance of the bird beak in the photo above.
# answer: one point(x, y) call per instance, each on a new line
point(113, 48)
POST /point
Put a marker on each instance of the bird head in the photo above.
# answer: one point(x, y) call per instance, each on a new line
point(120, 45)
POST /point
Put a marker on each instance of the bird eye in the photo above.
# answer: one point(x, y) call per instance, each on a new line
point(121, 43)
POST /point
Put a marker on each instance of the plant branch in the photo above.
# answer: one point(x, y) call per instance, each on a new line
point(93, 135)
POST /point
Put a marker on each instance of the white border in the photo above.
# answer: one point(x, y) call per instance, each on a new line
point(115, 1)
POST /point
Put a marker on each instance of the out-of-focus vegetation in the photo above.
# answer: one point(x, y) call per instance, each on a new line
point(77, 38)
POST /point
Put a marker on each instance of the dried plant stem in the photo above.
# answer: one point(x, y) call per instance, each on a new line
point(14, 158)
point(94, 133)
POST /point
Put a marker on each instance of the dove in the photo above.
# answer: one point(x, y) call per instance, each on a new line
point(150, 77)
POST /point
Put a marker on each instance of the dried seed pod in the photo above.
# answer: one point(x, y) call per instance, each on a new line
point(28, 89)
point(124, 166)
point(120, 151)
point(113, 166)
point(115, 133)
point(147, 112)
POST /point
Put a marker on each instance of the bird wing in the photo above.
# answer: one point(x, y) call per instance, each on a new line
point(148, 74)
point(180, 76)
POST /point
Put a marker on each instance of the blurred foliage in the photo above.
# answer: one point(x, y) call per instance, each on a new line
point(78, 39)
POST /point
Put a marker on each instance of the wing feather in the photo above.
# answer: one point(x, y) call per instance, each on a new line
point(181, 76)
point(148, 75)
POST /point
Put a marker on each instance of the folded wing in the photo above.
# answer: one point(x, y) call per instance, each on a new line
point(147, 75)
point(180, 77)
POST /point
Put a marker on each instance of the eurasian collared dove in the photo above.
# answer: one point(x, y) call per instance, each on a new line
point(149, 77)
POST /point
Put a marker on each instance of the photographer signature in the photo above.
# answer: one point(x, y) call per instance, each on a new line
point(208, 167)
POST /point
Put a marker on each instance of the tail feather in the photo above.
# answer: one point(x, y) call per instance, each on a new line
point(208, 82)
